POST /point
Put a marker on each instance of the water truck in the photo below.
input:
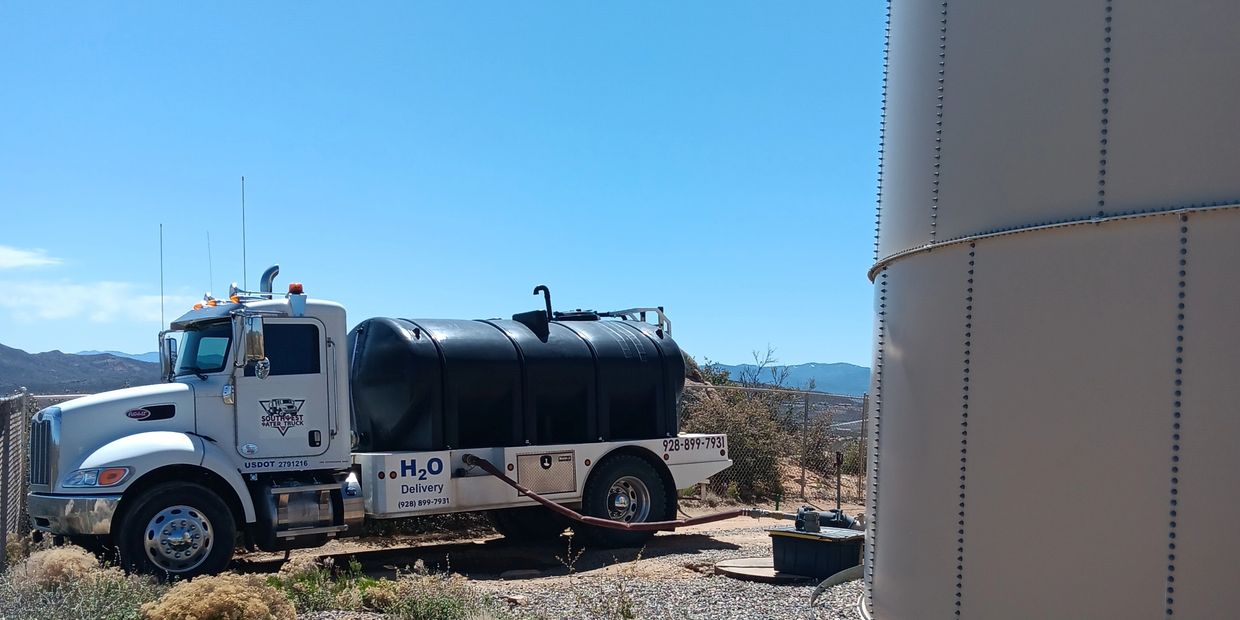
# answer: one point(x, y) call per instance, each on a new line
point(277, 428)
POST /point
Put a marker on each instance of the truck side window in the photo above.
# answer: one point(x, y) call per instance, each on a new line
point(293, 349)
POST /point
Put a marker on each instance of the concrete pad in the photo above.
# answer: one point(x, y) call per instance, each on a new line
point(756, 569)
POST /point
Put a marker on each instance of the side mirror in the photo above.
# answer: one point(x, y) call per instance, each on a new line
point(252, 337)
point(167, 357)
point(253, 347)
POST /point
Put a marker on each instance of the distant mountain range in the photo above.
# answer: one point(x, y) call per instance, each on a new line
point(55, 372)
point(153, 356)
point(86, 372)
point(836, 378)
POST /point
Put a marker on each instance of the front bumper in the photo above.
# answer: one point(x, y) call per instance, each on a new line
point(72, 514)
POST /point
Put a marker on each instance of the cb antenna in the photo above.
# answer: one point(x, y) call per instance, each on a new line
point(161, 275)
point(245, 281)
point(210, 265)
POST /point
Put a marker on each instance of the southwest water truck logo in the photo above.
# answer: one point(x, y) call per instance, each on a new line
point(282, 414)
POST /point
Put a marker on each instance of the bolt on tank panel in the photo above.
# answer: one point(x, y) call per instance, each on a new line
point(904, 220)
point(920, 473)
point(873, 430)
point(1100, 460)
point(1174, 139)
point(1002, 122)
point(1207, 482)
point(1073, 370)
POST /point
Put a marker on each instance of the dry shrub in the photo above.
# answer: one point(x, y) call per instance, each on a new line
point(224, 597)
point(19, 547)
point(380, 596)
point(67, 582)
point(53, 567)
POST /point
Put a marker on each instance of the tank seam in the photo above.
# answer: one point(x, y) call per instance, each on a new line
point(872, 547)
point(1173, 502)
point(443, 386)
point(964, 427)
point(938, 120)
point(668, 397)
point(882, 133)
point(1105, 111)
point(598, 386)
point(1219, 205)
point(525, 413)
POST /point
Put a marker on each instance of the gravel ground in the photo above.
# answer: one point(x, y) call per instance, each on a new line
point(708, 597)
point(674, 578)
point(341, 615)
point(680, 586)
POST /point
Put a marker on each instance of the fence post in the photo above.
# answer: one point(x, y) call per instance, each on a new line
point(804, 443)
point(12, 408)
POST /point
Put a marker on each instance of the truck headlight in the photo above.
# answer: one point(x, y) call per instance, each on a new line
point(105, 477)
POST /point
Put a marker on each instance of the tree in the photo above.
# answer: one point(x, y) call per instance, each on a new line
point(764, 363)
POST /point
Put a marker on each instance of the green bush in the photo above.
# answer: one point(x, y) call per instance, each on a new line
point(425, 596)
point(756, 439)
point(314, 586)
point(418, 595)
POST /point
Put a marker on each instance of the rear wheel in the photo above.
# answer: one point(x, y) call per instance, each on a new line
point(528, 523)
point(623, 488)
point(177, 530)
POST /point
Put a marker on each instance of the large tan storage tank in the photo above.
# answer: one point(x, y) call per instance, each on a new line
point(1056, 395)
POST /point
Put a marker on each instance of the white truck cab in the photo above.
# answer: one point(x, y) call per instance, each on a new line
point(251, 437)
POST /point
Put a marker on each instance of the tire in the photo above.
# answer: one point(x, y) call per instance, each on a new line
point(532, 523)
point(623, 488)
point(176, 530)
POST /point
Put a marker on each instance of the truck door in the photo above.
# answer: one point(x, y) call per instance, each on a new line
point(286, 414)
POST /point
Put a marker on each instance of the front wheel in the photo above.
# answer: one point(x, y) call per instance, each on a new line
point(624, 488)
point(176, 530)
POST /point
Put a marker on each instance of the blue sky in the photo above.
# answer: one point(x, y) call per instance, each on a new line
point(439, 160)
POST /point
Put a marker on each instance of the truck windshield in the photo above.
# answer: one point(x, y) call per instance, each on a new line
point(204, 348)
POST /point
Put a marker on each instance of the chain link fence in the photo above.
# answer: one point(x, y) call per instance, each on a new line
point(12, 469)
point(15, 412)
point(787, 446)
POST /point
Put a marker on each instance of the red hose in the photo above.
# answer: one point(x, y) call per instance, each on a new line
point(644, 526)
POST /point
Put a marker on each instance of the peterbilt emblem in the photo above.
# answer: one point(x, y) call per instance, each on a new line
point(138, 414)
point(545, 461)
point(282, 414)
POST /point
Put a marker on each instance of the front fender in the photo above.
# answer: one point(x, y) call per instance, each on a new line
point(146, 452)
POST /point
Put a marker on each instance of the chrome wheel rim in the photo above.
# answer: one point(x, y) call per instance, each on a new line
point(628, 500)
point(178, 539)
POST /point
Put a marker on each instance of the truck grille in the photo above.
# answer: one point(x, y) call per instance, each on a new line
point(40, 451)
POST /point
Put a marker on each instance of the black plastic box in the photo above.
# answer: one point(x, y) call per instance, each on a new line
point(816, 554)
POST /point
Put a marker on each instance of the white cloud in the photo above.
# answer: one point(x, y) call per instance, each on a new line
point(97, 302)
point(12, 258)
